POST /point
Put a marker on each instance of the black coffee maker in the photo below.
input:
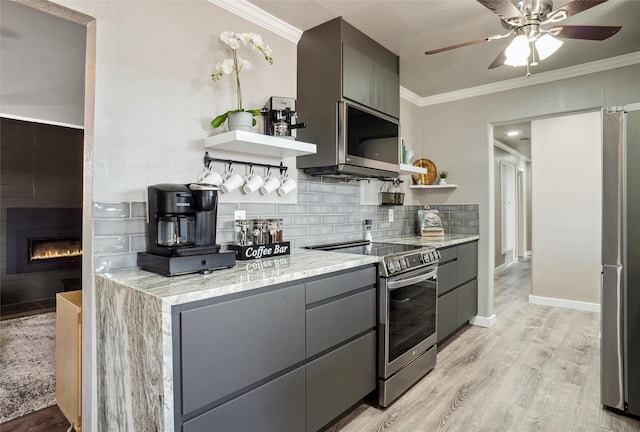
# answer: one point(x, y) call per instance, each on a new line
point(182, 223)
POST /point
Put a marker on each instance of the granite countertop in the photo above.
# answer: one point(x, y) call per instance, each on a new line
point(437, 242)
point(249, 275)
point(245, 276)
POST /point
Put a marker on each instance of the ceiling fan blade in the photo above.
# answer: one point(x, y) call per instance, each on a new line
point(499, 61)
point(577, 6)
point(598, 33)
point(503, 8)
point(458, 45)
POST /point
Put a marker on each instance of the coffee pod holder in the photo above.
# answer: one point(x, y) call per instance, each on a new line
point(259, 238)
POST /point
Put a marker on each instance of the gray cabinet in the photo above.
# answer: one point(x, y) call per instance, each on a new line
point(250, 362)
point(457, 288)
point(337, 62)
point(341, 343)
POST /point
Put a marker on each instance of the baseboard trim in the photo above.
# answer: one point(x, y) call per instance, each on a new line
point(567, 304)
point(481, 321)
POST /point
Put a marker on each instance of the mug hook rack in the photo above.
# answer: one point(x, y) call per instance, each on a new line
point(208, 159)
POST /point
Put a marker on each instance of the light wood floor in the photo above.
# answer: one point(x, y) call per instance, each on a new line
point(537, 369)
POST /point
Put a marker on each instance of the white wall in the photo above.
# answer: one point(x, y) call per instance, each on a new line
point(42, 66)
point(154, 95)
point(566, 160)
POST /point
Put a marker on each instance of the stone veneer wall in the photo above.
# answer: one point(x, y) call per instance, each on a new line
point(327, 211)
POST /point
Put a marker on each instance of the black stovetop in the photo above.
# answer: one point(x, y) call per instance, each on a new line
point(366, 248)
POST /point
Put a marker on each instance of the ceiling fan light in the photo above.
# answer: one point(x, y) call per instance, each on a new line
point(518, 52)
point(547, 45)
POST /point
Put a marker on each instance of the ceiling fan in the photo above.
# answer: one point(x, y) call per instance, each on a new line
point(534, 23)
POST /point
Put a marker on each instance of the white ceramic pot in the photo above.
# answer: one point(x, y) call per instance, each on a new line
point(443, 181)
point(242, 121)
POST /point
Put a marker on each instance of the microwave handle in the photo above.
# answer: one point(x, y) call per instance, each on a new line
point(395, 284)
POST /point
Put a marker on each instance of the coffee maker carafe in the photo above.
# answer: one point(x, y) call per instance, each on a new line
point(281, 117)
point(182, 223)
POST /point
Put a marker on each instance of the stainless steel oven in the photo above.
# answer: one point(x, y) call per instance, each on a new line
point(407, 308)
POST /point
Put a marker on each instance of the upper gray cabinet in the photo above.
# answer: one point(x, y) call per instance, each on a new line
point(336, 61)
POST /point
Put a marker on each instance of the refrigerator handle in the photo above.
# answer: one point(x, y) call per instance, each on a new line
point(611, 345)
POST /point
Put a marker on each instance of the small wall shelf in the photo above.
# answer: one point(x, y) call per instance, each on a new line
point(436, 186)
point(410, 169)
point(258, 144)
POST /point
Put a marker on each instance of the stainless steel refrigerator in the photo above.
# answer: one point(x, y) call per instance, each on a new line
point(620, 343)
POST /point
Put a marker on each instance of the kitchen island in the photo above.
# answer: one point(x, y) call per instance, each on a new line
point(137, 330)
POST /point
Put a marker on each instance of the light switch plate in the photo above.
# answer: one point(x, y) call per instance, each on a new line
point(390, 215)
point(239, 215)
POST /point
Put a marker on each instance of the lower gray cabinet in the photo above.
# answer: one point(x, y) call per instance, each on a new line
point(339, 379)
point(457, 288)
point(291, 357)
point(277, 406)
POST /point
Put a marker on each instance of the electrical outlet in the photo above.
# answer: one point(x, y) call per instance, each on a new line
point(239, 215)
point(390, 215)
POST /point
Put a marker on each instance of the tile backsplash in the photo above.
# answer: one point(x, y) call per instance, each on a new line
point(327, 211)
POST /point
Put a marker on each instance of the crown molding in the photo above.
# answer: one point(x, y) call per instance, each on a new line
point(540, 78)
point(251, 12)
point(410, 96)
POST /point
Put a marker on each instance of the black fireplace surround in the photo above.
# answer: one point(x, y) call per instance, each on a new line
point(31, 229)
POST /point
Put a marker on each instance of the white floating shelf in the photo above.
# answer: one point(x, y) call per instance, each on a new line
point(258, 144)
point(436, 186)
point(410, 169)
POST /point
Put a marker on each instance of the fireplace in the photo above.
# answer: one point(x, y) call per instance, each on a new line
point(43, 239)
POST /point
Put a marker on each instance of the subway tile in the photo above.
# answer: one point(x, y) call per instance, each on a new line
point(227, 208)
point(225, 236)
point(333, 199)
point(300, 242)
point(138, 209)
point(307, 220)
point(105, 263)
point(296, 231)
point(471, 207)
point(463, 215)
point(138, 243)
point(450, 207)
point(110, 245)
point(464, 230)
point(303, 185)
point(284, 209)
point(325, 188)
point(349, 228)
point(334, 219)
point(451, 222)
point(352, 199)
point(111, 210)
point(346, 209)
point(320, 209)
point(336, 238)
point(321, 230)
point(115, 227)
point(471, 223)
point(314, 198)
point(368, 209)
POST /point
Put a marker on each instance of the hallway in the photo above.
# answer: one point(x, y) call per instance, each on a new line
point(537, 369)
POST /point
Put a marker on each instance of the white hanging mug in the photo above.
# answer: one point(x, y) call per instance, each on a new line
point(252, 183)
point(271, 184)
point(211, 176)
point(288, 184)
point(232, 181)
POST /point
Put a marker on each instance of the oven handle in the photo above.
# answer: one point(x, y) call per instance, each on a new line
point(395, 284)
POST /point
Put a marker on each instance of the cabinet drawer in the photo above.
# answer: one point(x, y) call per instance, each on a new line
point(341, 283)
point(467, 301)
point(448, 254)
point(447, 277)
point(230, 345)
point(339, 379)
point(278, 406)
point(332, 323)
point(447, 321)
point(467, 262)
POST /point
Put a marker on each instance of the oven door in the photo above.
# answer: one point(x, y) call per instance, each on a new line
point(408, 305)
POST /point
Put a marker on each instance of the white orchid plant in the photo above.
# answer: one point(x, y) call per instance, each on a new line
point(236, 64)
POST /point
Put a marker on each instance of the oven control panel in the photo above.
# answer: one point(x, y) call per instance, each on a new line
point(400, 263)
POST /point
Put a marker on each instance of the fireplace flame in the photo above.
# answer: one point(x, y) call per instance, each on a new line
point(49, 254)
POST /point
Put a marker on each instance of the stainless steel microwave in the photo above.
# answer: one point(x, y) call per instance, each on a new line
point(365, 144)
